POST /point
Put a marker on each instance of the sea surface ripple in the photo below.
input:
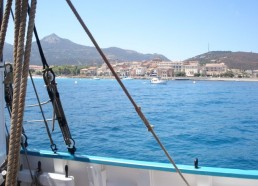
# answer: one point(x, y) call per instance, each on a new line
point(214, 121)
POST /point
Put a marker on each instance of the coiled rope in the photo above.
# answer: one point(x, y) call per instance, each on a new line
point(138, 109)
point(21, 68)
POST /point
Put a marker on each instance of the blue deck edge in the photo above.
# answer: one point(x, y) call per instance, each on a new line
point(210, 171)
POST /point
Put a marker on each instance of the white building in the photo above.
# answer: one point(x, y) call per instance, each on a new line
point(191, 68)
point(178, 66)
point(165, 69)
point(215, 69)
point(140, 71)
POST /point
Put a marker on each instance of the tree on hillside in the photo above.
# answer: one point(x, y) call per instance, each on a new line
point(67, 70)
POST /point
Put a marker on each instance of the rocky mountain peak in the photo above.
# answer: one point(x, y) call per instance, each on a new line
point(53, 38)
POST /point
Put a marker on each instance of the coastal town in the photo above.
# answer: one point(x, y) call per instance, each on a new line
point(157, 67)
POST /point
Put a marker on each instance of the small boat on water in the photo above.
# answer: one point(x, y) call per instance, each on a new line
point(157, 80)
point(127, 78)
point(96, 78)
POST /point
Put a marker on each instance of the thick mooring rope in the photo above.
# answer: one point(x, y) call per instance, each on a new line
point(17, 22)
point(18, 57)
point(21, 69)
point(13, 156)
point(4, 24)
point(137, 109)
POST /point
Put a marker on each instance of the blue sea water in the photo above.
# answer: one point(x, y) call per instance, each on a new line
point(214, 121)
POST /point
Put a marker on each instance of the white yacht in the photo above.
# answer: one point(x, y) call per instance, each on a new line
point(157, 80)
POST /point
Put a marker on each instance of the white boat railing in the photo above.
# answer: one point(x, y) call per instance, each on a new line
point(101, 171)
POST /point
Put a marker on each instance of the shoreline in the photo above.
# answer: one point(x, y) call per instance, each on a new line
point(169, 79)
point(181, 78)
point(220, 79)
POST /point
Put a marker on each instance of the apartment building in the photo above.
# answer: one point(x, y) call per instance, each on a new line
point(165, 69)
point(215, 69)
point(178, 66)
point(191, 68)
point(91, 71)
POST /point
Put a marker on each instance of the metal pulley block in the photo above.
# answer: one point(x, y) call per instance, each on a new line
point(49, 78)
point(8, 74)
point(8, 85)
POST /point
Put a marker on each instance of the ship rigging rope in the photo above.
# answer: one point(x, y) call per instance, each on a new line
point(53, 145)
point(4, 24)
point(15, 126)
point(58, 112)
point(138, 109)
point(21, 68)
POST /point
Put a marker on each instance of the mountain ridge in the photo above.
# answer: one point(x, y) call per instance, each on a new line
point(234, 60)
point(61, 51)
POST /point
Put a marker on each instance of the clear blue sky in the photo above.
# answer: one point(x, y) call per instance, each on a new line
point(178, 29)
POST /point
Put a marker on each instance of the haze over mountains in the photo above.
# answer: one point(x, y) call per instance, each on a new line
point(60, 51)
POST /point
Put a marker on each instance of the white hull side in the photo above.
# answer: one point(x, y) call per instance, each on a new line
point(99, 171)
point(161, 82)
